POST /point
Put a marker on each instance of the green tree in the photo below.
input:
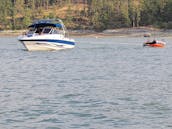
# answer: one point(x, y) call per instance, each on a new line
point(5, 14)
point(27, 18)
point(152, 11)
point(135, 8)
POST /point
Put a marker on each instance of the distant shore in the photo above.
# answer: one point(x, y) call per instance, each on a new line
point(132, 32)
point(124, 32)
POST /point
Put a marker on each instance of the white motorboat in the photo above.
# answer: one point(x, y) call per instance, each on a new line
point(46, 35)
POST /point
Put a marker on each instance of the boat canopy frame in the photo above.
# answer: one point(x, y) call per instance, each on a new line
point(57, 23)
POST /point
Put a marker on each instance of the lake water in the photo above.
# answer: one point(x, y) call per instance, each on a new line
point(103, 83)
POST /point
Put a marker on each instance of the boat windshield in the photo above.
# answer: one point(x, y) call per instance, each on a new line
point(57, 31)
point(31, 31)
point(46, 30)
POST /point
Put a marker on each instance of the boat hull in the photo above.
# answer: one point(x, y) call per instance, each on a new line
point(48, 35)
point(159, 44)
point(155, 45)
point(46, 45)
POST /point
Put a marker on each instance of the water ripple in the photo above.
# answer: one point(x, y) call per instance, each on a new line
point(104, 83)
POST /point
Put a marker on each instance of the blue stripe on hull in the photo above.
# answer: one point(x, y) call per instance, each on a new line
point(50, 40)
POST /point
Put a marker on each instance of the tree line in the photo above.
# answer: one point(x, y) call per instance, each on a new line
point(87, 14)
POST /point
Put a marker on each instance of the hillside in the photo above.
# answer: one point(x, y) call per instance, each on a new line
point(71, 14)
point(96, 15)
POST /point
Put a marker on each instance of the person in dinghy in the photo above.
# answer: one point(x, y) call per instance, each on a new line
point(154, 43)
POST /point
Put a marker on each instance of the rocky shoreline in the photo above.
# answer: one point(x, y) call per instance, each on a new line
point(132, 32)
